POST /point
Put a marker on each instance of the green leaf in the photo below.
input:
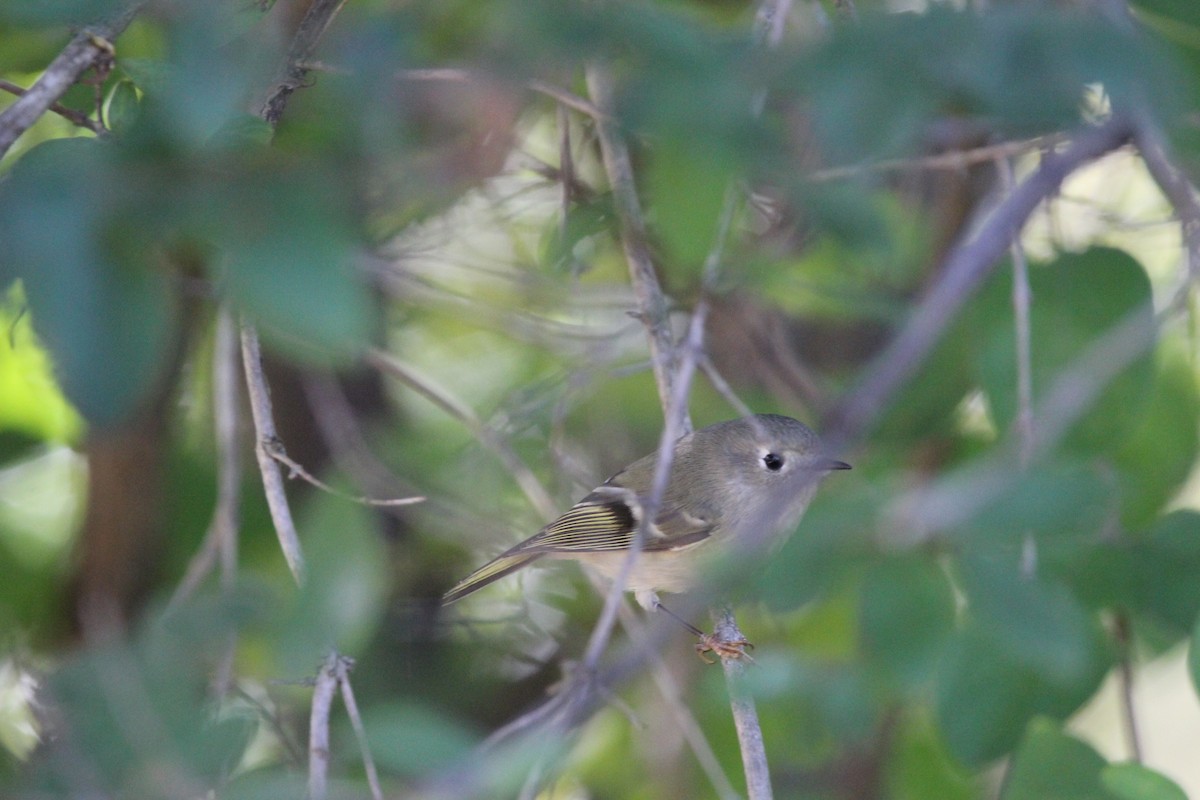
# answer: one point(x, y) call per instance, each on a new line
point(1158, 455)
point(1170, 570)
point(985, 698)
point(1039, 623)
point(415, 740)
point(907, 615)
point(1136, 782)
point(1053, 766)
point(1077, 298)
point(1194, 657)
point(686, 184)
point(102, 307)
point(289, 254)
point(341, 602)
point(122, 107)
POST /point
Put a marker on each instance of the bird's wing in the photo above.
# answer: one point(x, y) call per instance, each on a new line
point(607, 520)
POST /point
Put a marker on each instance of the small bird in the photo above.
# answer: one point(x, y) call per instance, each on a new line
point(737, 487)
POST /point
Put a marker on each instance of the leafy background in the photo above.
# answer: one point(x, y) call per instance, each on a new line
point(970, 613)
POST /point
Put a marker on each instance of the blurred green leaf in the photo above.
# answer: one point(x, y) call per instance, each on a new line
point(341, 602)
point(104, 310)
point(907, 615)
point(1040, 624)
point(122, 107)
point(289, 254)
point(1137, 782)
point(920, 768)
point(1158, 455)
point(686, 185)
point(985, 698)
point(1077, 298)
point(1167, 567)
point(59, 12)
point(1053, 766)
point(415, 740)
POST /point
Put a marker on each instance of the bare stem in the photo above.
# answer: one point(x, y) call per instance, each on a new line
point(652, 305)
point(318, 728)
point(966, 265)
point(343, 668)
point(88, 47)
point(745, 714)
point(267, 440)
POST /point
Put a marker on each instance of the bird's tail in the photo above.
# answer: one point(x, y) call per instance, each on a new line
point(494, 570)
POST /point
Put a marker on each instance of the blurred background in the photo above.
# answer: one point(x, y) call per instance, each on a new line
point(999, 600)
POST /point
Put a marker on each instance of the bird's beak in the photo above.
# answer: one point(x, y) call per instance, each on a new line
point(830, 464)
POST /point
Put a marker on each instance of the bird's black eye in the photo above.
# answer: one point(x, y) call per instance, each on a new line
point(773, 462)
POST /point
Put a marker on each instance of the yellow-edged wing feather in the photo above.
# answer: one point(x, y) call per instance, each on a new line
point(605, 520)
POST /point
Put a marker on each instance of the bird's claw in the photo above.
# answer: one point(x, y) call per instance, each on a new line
point(709, 643)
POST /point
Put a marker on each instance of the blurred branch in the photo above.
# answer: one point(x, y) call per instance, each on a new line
point(954, 160)
point(221, 538)
point(745, 715)
point(557, 93)
point(90, 46)
point(965, 267)
point(342, 668)
point(267, 441)
point(275, 448)
point(69, 114)
point(304, 44)
point(1181, 194)
point(318, 728)
point(652, 305)
point(487, 436)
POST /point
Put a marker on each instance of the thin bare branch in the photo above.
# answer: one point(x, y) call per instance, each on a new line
point(1182, 195)
point(652, 305)
point(966, 265)
point(295, 74)
point(220, 540)
point(91, 45)
point(745, 715)
point(343, 667)
point(267, 439)
point(487, 436)
point(324, 690)
point(564, 97)
point(1124, 638)
point(277, 452)
point(954, 160)
point(69, 114)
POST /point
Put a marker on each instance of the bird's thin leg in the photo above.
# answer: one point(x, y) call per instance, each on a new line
point(708, 643)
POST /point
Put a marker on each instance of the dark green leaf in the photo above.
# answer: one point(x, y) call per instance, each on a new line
point(1037, 622)
point(907, 614)
point(1053, 766)
point(1136, 782)
point(122, 107)
point(415, 740)
point(1078, 298)
point(101, 305)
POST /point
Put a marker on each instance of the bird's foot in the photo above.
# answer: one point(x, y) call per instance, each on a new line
point(709, 643)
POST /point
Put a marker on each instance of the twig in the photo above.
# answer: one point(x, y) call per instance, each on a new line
point(343, 668)
point(276, 451)
point(745, 715)
point(89, 45)
point(533, 489)
point(304, 44)
point(69, 114)
point(1124, 638)
point(675, 425)
point(566, 98)
point(324, 690)
point(1180, 192)
point(220, 540)
point(652, 306)
point(266, 439)
point(1021, 298)
point(966, 265)
point(955, 160)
